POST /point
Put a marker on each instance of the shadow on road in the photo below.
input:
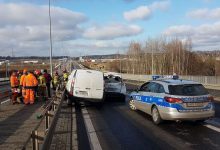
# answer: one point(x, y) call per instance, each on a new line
point(9, 126)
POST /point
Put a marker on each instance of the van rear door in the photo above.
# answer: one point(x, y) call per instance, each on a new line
point(97, 85)
point(82, 84)
point(89, 84)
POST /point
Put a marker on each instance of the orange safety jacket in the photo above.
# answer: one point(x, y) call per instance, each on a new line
point(14, 81)
point(30, 82)
point(22, 79)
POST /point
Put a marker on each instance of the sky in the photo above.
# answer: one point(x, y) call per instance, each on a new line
point(97, 27)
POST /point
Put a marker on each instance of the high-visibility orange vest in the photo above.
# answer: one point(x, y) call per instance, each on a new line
point(14, 81)
point(30, 81)
point(22, 79)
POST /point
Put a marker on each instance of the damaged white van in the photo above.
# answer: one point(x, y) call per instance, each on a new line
point(85, 85)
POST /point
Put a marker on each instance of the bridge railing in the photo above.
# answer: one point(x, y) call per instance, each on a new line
point(206, 80)
point(43, 131)
point(5, 90)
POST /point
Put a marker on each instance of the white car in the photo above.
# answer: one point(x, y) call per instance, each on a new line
point(114, 86)
point(84, 84)
point(173, 99)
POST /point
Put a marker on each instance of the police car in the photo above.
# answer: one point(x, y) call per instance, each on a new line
point(173, 99)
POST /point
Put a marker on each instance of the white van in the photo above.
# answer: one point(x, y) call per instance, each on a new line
point(85, 85)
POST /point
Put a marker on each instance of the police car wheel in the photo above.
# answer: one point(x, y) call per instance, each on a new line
point(131, 105)
point(156, 115)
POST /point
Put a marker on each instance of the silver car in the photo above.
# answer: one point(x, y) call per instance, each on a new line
point(115, 87)
point(173, 99)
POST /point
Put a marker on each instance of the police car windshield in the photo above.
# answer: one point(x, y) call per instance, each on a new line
point(188, 90)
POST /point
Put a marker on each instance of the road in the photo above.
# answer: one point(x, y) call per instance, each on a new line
point(118, 128)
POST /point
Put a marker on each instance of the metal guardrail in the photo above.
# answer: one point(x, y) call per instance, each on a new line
point(49, 116)
point(49, 136)
point(206, 80)
point(5, 90)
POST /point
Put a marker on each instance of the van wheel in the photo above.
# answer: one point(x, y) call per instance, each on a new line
point(156, 116)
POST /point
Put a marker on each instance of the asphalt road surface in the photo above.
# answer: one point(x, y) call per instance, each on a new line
point(120, 128)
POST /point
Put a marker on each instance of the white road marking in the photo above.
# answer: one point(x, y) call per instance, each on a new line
point(93, 138)
point(5, 101)
point(214, 121)
point(212, 127)
point(74, 130)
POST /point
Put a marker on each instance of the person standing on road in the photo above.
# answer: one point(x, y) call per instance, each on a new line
point(20, 88)
point(48, 81)
point(56, 80)
point(65, 76)
point(42, 89)
point(21, 83)
point(29, 84)
point(14, 87)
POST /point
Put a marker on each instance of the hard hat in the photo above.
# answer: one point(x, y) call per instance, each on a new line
point(37, 72)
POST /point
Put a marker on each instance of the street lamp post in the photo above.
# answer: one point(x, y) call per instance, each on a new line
point(51, 46)
point(6, 69)
point(152, 61)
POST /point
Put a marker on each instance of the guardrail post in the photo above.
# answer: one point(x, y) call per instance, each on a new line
point(35, 140)
point(47, 122)
point(53, 107)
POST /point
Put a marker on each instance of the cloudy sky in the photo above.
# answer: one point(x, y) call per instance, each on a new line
point(82, 27)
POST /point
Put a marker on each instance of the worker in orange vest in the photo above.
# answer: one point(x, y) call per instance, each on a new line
point(19, 74)
point(14, 87)
point(21, 83)
point(30, 82)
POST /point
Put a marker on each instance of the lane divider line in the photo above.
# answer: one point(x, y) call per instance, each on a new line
point(212, 127)
point(93, 138)
point(5, 101)
point(74, 131)
point(213, 122)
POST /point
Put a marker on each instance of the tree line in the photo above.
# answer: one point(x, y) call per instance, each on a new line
point(166, 56)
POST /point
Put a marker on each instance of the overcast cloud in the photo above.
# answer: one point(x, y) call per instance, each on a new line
point(25, 28)
point(145, 12)
point(205, 13)
point(112, 31)
point(204, 37)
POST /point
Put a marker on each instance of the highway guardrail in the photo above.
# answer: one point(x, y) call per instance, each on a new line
point(5, 90)
point(40, 138)
point(210, 82)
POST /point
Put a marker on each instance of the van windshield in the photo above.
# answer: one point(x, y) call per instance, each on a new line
point(188, 90)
